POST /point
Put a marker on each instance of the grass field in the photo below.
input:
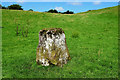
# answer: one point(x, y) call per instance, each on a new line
point(92, 40)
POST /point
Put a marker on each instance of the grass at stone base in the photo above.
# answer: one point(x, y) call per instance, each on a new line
point(94, 51)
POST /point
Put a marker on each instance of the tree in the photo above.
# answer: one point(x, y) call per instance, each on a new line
point(30, 10)
point(60, 12)
point(0, 6)
point(53, 11)
point(3, 7)
point(15, 7)
point(68, 12)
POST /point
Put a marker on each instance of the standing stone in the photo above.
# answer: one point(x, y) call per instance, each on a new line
point(52, 48)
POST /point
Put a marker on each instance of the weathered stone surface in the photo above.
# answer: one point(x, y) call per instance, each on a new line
point(52, 48)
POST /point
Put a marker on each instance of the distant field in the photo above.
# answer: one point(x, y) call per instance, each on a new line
point(92, 40)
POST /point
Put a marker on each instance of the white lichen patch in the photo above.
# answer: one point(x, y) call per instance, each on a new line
point(52, 48)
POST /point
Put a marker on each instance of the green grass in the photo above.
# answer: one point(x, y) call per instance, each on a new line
point(92, 40)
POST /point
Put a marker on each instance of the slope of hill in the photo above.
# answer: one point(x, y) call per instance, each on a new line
point(92, 39)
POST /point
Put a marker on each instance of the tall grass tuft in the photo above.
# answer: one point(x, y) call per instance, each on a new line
point(75, 35)
point(23, 32)
point(26, 32)
point(17, 31)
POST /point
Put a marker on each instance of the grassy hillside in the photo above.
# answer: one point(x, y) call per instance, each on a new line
point(92, 40)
